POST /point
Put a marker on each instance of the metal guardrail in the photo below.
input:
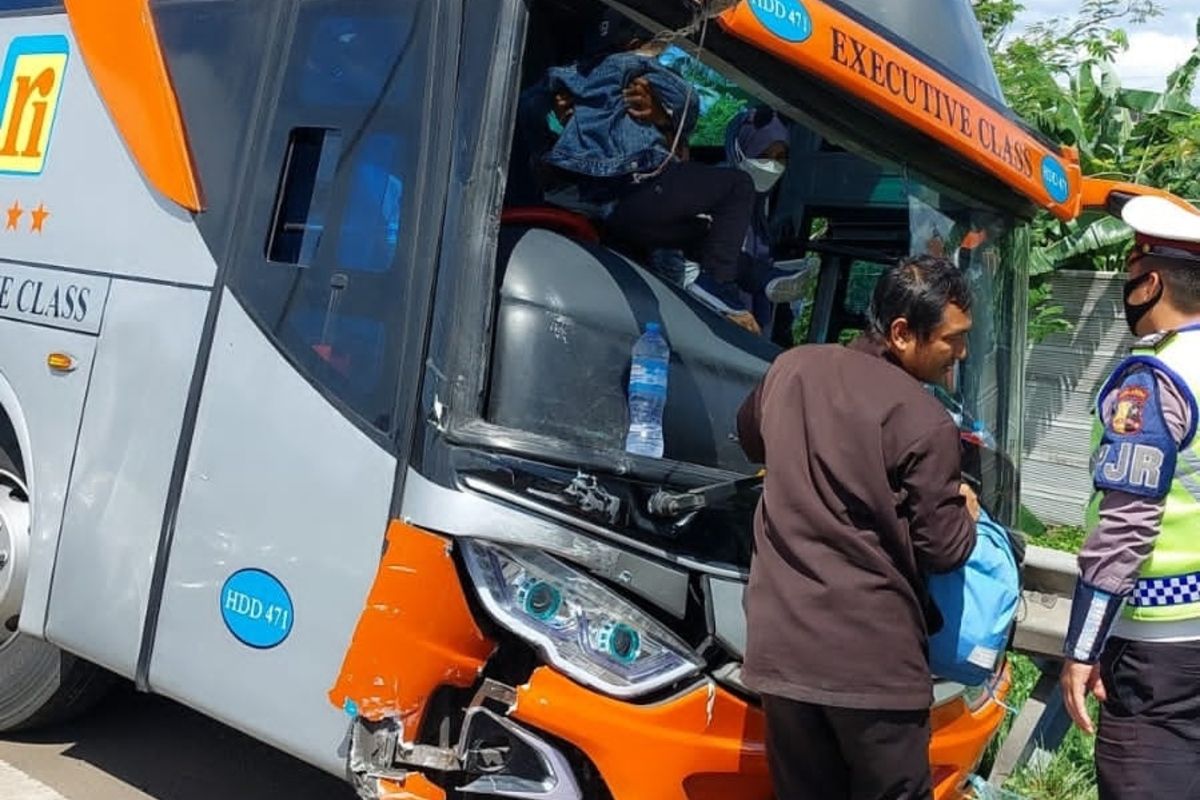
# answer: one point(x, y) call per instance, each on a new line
point(1041, 724)
point(1049, 577)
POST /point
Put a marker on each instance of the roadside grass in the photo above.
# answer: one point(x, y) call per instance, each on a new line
point(1069, 773)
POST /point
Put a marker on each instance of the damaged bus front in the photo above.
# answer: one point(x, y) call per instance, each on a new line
point(582, 604)
point(328, 299)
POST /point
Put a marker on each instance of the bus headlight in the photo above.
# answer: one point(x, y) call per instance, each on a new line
point(578, 625)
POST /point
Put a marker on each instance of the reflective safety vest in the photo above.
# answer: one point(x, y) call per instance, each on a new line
point(1168, 586)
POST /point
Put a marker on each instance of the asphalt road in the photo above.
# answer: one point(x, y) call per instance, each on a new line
point(134, 747)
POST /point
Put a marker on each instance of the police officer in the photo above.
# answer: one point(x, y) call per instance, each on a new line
point(1134, 637)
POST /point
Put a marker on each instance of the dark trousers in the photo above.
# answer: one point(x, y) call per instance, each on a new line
point(827, 753)
point(662, 212)
point(1148, 744)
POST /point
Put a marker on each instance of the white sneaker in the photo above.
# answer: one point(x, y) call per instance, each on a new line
point(788, 288)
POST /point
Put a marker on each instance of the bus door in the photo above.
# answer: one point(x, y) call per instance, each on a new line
point(306, 400)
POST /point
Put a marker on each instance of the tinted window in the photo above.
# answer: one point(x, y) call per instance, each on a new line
point(943, 29)
point(216, 51)
point(860, 286)
point(27, 5)
point(327, 269)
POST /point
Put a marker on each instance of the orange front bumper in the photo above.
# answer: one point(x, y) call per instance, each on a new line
point(417, 633)
point(708, 744)
point(705, 745)
point(961, 734)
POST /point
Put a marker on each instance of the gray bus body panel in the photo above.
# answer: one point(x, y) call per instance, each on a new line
point(127, 444)
point(101, 219)
point(278, 480)
point(50, 405)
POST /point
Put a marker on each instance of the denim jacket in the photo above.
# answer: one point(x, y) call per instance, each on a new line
point(601, 140)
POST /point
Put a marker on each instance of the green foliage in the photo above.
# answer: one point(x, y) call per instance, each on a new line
point(710, 128)
point(803, 321)
point(1094, 240)
point(861, 285)
point(1059, 75)
point(1069, 773)
point(995, 18)
point(1029, 524)
point(1045, 316)
point(1068, 538)
point(721, 98)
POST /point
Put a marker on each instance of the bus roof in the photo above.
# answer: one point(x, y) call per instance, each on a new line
point(890, 74)
point(946, 31)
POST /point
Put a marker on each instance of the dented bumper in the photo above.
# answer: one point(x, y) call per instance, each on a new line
point(552, 737)
point(706, 744)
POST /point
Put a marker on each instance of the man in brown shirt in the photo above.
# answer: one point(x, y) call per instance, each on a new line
point(862, 496)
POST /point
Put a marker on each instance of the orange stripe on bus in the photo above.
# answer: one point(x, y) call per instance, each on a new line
point(413, 787)
point(1095, 192)
point(119, 44)
point(823, 42)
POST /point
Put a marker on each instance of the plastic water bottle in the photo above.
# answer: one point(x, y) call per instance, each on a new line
point(648, 392)
point(985, 436)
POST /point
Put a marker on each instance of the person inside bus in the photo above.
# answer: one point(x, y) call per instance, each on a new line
point(608, 134)
point(757, 141)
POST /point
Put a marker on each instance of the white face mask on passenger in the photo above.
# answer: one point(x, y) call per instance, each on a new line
point(765, 172)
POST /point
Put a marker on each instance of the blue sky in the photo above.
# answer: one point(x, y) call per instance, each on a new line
point(1155, 48)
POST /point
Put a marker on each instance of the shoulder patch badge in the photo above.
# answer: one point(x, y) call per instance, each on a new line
point(1136, 453)
point(1129, 413)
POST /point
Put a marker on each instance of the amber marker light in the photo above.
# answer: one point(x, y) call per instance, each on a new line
point(60, 362)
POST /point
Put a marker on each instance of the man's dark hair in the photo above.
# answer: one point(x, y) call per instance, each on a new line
point(918, 289)
point(1182, 280)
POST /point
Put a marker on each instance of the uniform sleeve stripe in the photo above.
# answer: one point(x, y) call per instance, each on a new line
point(1092, 625)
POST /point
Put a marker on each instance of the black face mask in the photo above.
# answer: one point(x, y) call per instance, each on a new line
point(1135, 311)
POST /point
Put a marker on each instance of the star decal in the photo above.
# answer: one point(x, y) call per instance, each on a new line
point(39, 215)
point(14, 216)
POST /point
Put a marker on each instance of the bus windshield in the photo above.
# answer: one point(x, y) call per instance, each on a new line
point(572, 300)
point(983, 394)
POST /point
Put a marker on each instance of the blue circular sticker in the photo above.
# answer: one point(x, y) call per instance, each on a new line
point(787, 19)
point(1054, 178)
point(256, 608)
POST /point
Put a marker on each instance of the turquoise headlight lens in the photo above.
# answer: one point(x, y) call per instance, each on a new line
point(624, 644)
point(540, 600)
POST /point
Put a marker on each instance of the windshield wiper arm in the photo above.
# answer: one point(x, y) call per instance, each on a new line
point(665, 503)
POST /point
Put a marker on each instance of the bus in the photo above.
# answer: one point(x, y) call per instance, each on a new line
point(313, 414)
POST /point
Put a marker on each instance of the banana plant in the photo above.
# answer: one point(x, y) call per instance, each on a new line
point(1060, 76)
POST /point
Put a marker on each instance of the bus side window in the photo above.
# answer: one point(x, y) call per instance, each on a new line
point(303, 201)
point(29, 5)
point(334, 258)
point(850, 319)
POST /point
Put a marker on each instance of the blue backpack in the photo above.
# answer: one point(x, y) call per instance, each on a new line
point(978, 603)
